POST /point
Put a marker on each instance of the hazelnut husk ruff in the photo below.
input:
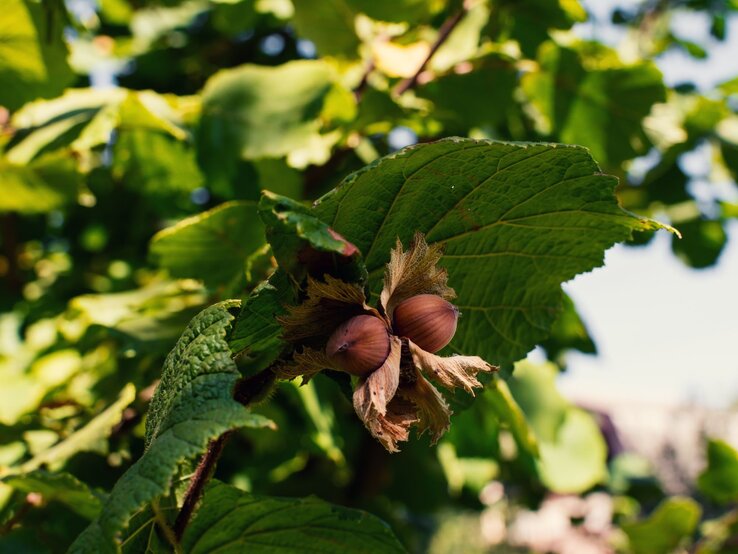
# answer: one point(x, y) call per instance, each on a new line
point(389, 350)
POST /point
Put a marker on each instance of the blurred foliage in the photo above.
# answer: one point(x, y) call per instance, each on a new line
point(136, 138)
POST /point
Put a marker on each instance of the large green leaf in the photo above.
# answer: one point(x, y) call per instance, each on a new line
point(32, 52)
point(516, 221)
point(192, 405)
point(253, 112)
point(213, 246)
point(599, 106)
point(668, 527)
point(719, 480)
point(232, 521)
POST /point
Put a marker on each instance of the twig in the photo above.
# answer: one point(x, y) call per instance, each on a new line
point(202, 475)
point(361, 87)
point(443, 33)
point(248, 391)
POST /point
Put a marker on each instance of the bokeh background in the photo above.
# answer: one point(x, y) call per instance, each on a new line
point(121, 119)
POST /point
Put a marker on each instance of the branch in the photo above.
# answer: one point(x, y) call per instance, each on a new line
point(443, 33)
point(248, 391)
point(361, 87)
point(203, 473)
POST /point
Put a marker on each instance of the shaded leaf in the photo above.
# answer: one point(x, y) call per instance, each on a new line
point(232, 521)
point(303, 244)
point(47, 183)
point(213, 246)
point(329, 24)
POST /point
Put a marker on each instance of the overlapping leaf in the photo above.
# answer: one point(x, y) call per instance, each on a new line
point(516, 221)
point(192, 405)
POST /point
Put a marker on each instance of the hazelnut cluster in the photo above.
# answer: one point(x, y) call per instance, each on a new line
point(389, 349)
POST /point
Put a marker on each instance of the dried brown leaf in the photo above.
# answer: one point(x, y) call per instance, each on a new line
point(305, 364)
point(414, 272)
point(433, 412)
point(451, 372)
point(328, 304)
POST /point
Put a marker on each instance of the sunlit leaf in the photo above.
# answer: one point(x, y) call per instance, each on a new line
point(719, 480)
point(32, 52)
point(668, 527)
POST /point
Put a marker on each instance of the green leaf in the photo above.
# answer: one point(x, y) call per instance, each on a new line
point(568, 332)
point(528, 21)
point(155, 313)
point(47, 183)
point(600, 107)
point(303, 244)
point(192, 405)
point(480, 97)
point(576, 461)
point(155, 162)
point(668, 527)
point(253, 112)
point(409, 11)
point(213, 246)
point(516, 221)
point(59, 487)
point(573, 454)
point(329, 24)
point(256, 329)
point(32, 52)
point(232, 521)
point(91, 437)
point(719, 480)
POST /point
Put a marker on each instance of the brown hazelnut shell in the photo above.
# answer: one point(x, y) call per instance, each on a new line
point(427, 320)
point(359, 345)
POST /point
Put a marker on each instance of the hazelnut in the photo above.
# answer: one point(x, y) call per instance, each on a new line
point(427, 320)
point(359, 345)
